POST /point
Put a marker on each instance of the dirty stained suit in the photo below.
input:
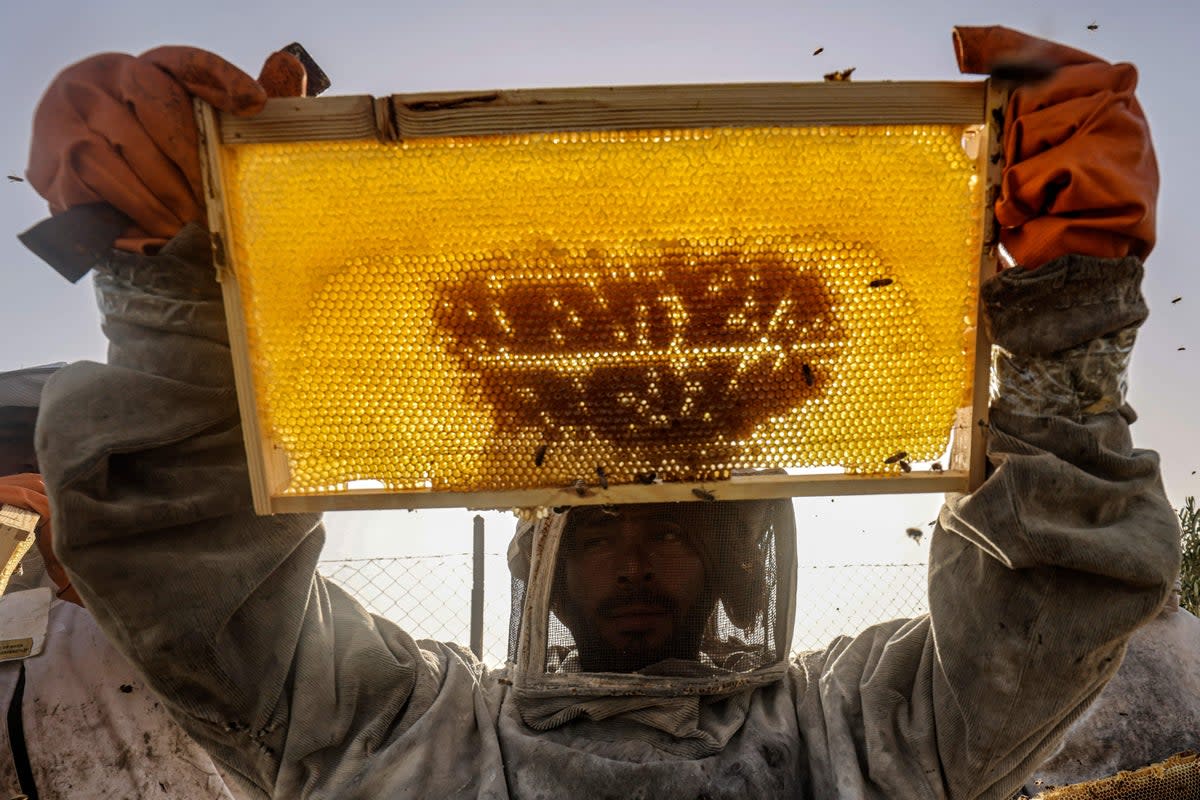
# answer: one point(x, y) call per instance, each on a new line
point(89, 726)
point(1036, 582)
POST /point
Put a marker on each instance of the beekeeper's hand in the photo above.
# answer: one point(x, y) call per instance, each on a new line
point(120, 129)
point(1080, 174)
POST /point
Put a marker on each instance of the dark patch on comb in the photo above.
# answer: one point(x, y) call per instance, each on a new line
point(682, 335)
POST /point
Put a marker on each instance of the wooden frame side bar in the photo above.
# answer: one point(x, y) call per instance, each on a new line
point(257, 445)
point(410, 116)
point(989, 264)
point(747, 487)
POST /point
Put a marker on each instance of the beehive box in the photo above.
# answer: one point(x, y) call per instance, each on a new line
point(556, 297)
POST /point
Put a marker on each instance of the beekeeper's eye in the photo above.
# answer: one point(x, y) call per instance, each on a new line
point(596, 542)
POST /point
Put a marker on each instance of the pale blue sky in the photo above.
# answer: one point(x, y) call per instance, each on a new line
point(378, 48)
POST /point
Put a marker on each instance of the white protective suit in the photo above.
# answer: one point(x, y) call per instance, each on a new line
point(1037, 580)
point(90, 727)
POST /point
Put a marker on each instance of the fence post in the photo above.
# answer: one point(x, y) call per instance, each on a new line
point(477, 591)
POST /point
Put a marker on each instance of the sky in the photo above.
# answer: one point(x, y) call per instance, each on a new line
point(379, 48)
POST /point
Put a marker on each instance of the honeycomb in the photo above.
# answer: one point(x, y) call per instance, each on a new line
point(1176, 778)
point(535, 309)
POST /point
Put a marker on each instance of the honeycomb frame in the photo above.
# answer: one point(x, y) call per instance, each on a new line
point(587, 111)
point(1174, 777)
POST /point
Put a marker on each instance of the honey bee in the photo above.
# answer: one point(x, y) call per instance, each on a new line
point(539, 455)
point(809, 378)
point(603, 477)
point(16, 179)
point(645, 477)
point(1176, 300)
point(936, 466)
point(818, 51)
point(905, 466)
point(1093, 27)
point(914, 533)
point(881, 282)
point(704, 494)
point(580, 487)
point(894, 457)
point(840, 75)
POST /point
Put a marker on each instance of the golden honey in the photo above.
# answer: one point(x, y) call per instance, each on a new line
point(512, 311)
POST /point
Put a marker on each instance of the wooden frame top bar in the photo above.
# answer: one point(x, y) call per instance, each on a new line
point(409, 116)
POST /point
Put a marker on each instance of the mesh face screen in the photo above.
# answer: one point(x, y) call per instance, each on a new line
point(668, 589)
point(511, 311)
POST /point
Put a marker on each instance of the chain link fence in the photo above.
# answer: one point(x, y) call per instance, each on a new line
point(430, 597)
point(845, 599)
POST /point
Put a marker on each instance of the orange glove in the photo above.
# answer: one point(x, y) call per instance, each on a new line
point(28, 492)
point(121, 130)
point(1080, 174)
point(25, 491)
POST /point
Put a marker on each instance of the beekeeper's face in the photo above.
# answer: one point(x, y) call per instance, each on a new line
point(633, 589)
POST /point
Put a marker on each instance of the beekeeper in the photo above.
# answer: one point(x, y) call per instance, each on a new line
point(651, 654)
point(80, 720)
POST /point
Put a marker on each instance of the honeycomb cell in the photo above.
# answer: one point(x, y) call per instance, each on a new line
point(499, 312)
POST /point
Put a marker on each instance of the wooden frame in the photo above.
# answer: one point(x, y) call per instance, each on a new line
point(401, 117)
point(17, 533)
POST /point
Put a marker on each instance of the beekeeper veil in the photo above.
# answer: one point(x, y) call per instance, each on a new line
point(659, 600)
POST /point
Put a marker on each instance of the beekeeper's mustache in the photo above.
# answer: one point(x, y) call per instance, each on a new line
point(640, 598)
